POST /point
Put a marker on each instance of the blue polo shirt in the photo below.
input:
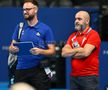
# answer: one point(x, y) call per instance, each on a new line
point(41, 35)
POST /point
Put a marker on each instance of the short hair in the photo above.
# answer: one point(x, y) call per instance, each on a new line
point(35, 2)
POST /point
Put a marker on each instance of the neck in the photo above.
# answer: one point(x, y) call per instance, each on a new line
point(33, 21)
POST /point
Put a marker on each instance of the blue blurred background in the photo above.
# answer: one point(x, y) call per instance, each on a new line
point(61, 20)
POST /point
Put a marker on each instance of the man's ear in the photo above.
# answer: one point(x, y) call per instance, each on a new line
point(36, 10)
point(87, 21)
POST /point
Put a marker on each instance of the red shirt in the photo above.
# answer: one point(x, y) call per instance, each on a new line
point(89, 65)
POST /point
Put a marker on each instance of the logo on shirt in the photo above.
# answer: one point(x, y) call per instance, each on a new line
point(75, 44)
point(38, 34)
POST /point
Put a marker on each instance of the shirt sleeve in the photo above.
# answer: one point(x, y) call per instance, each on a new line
point(94, 39)
point(49, 36)
point(69, 41)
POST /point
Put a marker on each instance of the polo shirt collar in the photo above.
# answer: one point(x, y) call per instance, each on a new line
point(85, 32)
point(35, 26)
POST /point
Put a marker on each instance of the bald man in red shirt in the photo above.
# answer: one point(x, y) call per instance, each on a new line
point(84, 47)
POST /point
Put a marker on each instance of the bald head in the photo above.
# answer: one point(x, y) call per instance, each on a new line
point(82, 20)
point(84, 14)
point(21, 86)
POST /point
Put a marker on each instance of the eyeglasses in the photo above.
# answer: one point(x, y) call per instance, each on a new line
point(28, 9)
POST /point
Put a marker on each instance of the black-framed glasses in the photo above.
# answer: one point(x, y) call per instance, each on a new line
point(28, 9)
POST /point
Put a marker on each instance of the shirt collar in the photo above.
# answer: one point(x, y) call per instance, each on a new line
point(35, 26)
point(85, 32)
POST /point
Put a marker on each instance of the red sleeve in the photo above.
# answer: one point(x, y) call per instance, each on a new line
point(69, 41)
point(94, 39)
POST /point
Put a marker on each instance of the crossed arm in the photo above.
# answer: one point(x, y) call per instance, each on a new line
point(77, 52)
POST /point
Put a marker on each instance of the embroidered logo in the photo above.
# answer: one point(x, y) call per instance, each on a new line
point(38, 34)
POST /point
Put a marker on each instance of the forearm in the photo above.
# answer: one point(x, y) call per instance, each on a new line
point(37, 51)
point(47, 52)
point(81, 53)
point(75, 53)
point(13, 49)
point(68, 52)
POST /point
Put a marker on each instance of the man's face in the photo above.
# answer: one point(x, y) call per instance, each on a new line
point(80, 22)
point(29, 10)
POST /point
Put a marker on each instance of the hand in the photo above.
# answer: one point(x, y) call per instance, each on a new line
point(13, 49)
point(67, 51)
point(36, 51)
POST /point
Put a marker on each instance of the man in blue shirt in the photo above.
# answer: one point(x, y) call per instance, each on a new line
point(28, 67)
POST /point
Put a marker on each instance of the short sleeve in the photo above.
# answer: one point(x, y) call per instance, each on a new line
point(69, 41)
point(49, 36)
point(94, 39)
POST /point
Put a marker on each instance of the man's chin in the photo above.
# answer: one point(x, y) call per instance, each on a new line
point(26, 16)
point(77, 28)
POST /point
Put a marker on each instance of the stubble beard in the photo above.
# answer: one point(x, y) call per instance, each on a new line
point(28, 17)
point(79, 27)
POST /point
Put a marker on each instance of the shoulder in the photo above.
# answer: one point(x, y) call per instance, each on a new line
point(94, 35)
point(44, 26)
point(94, 32)
point(73, 34)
